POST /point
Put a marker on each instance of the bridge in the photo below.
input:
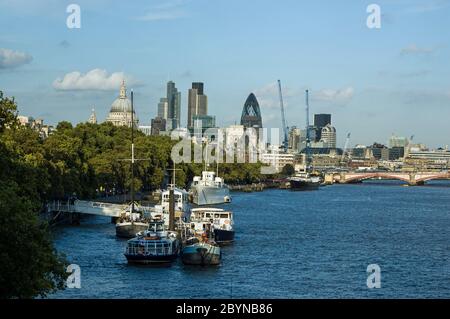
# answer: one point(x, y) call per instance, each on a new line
point(90, 208)
point(413, 178)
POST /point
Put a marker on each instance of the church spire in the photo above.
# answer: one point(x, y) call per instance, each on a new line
point(123, 90)
point(93, 117)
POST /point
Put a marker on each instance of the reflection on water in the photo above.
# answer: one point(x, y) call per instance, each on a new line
point(290, 245)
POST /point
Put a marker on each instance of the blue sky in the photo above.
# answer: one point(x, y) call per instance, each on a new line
point(375, 82)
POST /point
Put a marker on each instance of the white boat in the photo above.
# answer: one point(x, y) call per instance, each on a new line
point(209, 189)
point(221, 221)
point(182, 206)
point(155, 245)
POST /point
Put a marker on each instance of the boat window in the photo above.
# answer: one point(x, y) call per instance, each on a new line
point(224, 216)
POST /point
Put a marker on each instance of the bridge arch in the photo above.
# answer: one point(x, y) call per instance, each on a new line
point(376, 175)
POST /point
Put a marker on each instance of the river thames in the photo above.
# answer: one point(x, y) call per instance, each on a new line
point(290, 245)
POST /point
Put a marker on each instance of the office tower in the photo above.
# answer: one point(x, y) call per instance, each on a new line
point(251, 113)
point(320, 121)
point(197, 103)
point(174, 106)
point(199, 87)
point(328, 136)
point(158, 125)
point(163, 108)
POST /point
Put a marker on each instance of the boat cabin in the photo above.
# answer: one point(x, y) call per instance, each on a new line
point(208, 178)
point(219, 218)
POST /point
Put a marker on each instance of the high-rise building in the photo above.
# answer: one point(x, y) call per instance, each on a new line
point(163, 108)
point(320, 121)
point(397, 141)
point(294, 139)
point(158, 126)
point(328, 136)
point(197, 103)
point(251, 113)
point(174, 106)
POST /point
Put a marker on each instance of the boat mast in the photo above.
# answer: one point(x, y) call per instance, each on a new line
point(132, 153)
point(308, 139)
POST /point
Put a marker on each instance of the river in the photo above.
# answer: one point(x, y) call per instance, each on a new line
point(290, 245)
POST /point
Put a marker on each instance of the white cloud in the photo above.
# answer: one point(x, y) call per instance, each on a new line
point(95, 80)
point(268, 95)
point(341, 96)
point(12, 59)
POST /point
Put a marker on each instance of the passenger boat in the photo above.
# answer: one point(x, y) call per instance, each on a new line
point(222, 224)
point(153, 246)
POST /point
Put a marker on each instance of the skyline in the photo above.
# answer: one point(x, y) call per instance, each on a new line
point(374, 82)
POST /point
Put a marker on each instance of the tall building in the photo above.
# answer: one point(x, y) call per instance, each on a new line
point(163, 108)
point(328, 136)
point(197, 103)
point(120, 113)
point(158, 126)
point(320, 121)
point(174, 106)
point(294, 139)
point(397, 141)
point(251, 113)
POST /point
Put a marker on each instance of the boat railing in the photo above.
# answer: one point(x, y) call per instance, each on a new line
point(149, 248)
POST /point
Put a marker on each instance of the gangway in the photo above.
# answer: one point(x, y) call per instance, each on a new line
point(90, 208)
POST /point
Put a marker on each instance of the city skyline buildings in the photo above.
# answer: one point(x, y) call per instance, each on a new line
point(174, 106)
point(197, 103)
point(373, 81)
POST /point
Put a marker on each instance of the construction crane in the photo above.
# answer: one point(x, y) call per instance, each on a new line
point(283, 119)
point(347, 141)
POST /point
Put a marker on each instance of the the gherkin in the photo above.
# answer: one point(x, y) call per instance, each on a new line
point(251, 114)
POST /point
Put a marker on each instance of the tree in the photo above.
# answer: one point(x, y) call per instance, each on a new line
point(288, 170)
point(30, 266)
point(8, 112)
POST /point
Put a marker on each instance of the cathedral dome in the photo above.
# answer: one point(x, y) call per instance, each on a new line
point(120, 113)
point(122, 103)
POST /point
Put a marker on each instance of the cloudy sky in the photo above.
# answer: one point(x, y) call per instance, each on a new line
point(375, 82)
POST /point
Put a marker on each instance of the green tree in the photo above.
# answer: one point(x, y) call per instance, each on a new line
point(30, 266)
point(288, 170)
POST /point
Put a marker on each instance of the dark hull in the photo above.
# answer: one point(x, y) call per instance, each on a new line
point(223, 236)
point(299, 186)
point(130, 230)
point(201, 256)
point(198, 260)
point(141, 259)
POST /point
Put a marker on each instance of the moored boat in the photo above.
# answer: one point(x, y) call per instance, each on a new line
point(221, 221)
point(304, 182)
point(209, 190)
point(131, 223)
point(201, 252)
point(153, 246)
